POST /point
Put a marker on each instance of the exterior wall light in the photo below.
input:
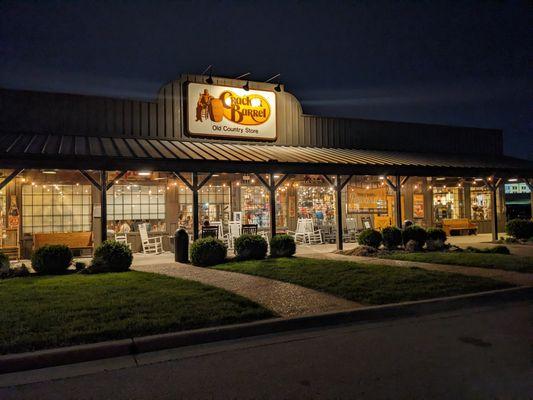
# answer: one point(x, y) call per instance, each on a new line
point(246, 86)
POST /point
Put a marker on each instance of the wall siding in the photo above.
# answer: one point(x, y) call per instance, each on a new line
point(39, 112)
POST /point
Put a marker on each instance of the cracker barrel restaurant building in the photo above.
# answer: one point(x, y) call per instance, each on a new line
point(236, 155)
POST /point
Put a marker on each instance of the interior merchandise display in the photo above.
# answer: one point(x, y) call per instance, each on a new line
point(316, 202)
point(255, 205)
point(480, 204)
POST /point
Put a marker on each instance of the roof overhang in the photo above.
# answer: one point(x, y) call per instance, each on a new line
point(26, 150)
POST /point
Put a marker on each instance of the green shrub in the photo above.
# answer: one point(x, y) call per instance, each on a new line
point(489, 250)
point(4, 262)
point(416, 233)
point(392, 237)
point(436, 234)
point(251, 247)
point(370, 237)
point(112, 256)
point(208, 251)
point(519, 228)
point(53, 259)
point(282, 246)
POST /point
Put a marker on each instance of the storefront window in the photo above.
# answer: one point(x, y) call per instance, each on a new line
point(214, 202)
point(447, 203)
point(56, 208)
point(316, 202)
point(480, 204)
point(255, 205)
point(131, 204)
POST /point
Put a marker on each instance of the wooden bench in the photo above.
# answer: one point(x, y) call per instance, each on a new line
point(74, 240)
point(460, 226)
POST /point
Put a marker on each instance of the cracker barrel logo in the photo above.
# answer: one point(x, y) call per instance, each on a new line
point(249, 109)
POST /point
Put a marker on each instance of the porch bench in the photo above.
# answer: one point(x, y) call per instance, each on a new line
point(73, 240)
point(460, 226)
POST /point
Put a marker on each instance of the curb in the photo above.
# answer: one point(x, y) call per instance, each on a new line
point(124, 347)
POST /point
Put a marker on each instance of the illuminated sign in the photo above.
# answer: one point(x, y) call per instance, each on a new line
point(230, 112)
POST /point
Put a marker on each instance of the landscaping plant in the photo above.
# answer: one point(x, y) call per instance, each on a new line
point(392, 237)
point(282, 246)
point(251, 247)
point(53, 259)
point(436, 234)
point(415, 233)
point(111, 256)
point(519, 228)
point(4, 262)
point(208, 251)
point(370, 237)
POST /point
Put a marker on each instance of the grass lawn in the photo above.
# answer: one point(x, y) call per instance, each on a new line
point(367, 284)
point(498, 261)
point(53, 311)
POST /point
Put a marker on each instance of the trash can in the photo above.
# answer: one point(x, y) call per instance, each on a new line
point(181, 246)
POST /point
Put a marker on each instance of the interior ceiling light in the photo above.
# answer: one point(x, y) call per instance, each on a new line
point(49, 171)
point(144, 173)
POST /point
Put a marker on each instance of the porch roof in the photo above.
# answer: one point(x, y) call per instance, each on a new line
point(30, 150)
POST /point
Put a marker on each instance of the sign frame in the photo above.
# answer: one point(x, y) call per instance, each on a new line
point(185, 117)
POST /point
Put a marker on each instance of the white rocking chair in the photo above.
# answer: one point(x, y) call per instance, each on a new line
point(314, 236)
point(235, 230)
point(151, 245)
point(122, 238)
point(300, 234)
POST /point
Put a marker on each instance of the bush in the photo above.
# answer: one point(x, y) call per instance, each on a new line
point(53, 259)
point(112, 256)
point(392, 237)
point(251, 247)
point(370, 237)
point(489, 250)
point(416, 233)
point(208, 251)
point(282, 246)
point(436, 234)
point(519, 228)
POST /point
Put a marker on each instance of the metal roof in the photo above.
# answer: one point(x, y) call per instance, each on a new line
point(27, 150)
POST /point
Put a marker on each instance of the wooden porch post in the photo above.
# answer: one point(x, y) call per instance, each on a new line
point(195, 216)
point(272, 189)
point(338, 198)
point(103, 205)
point(494, 201)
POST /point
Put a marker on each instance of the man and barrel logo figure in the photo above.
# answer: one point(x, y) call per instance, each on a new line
point(249, 109)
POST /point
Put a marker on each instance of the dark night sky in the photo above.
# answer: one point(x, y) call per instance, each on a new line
point(458, 63)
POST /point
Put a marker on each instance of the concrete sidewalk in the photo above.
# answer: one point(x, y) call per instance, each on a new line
point(516, 278)
point(285, 299)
